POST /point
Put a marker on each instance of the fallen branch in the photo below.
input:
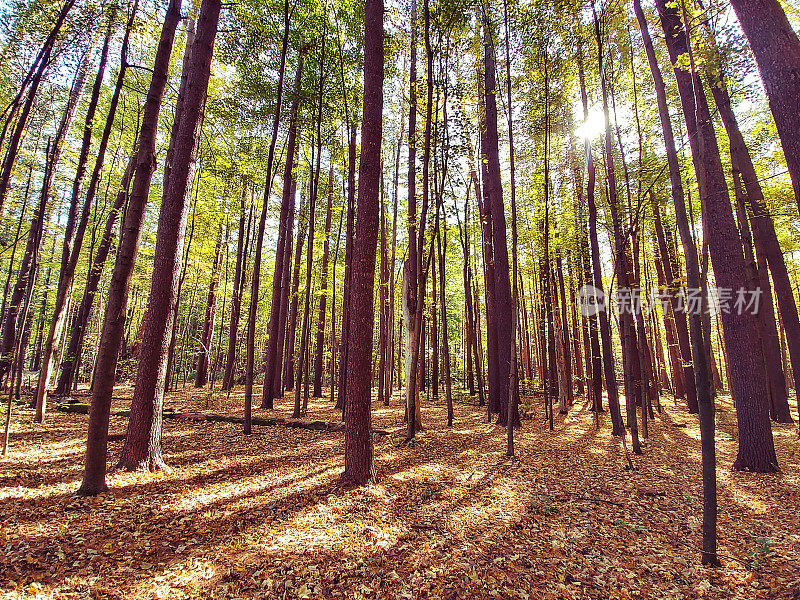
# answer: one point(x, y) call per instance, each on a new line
point(171, 413)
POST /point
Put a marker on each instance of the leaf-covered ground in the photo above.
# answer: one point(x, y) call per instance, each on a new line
point(451, 517)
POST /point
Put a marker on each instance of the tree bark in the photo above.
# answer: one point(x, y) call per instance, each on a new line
point(81, 319)
point(764, 235)
point(748, 385)
point(609, 375)
point(290, 345)
point(142, 449)
point(273, 387)
point(114, 319)
point(201, 376)
point(236, 300)
point(323, 298)
point(676, 185)
point(42, 62)
point(259, 241)
point(502, 285)
point(776, 48)
point(72, 245)
point(358, 453)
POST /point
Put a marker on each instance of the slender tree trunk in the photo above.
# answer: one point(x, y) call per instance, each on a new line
point(259, 241)
point(11, 323)
point(383, 297)
point(25, 319)
point(142, 449)
point(72, 246)
point(323, 298)
point(676, 184)
point(348, 260)
point(201, 376)
point(280, 280)
point(609, 375)
point(441, 242)
point(306, 327)
point(622, 267)
point(80, 321)
point(41, 63)
point(358, 454)
point(114, 320)
point(290, 346)
point(236, 300)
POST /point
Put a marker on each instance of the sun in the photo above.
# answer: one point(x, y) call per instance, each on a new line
point(593, 126)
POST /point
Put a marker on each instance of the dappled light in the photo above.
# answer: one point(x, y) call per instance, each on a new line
point(264, 515)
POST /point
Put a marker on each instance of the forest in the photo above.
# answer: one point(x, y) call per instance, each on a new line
point(400, 299)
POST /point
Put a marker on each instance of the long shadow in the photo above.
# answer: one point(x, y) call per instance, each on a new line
point(145, 514)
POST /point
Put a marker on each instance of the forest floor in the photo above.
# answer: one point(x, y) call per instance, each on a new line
point(450, 517)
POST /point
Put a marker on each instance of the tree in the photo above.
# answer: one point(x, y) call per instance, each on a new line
point(358, 453)
point(777, 50)
point(748, 380)
point(201, 378)
point(259, 241)
point(94, 476)
point(72, 244)
point(502, 284)
point(142, 449)
point(273, 385)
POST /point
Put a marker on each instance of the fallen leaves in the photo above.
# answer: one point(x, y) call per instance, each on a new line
point(451, 517)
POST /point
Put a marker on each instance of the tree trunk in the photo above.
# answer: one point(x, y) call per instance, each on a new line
point(680, 213)
point(236, 301)
point(306, 330)
point(290, 346)
point(383, 298)
point(72, 246)
point(776, 48)
point(280, 279)
point(142, 449)
point(201, 376)
point(323, 298)
point(114, 320)
point(80, 321)
point(408, 301)
point(11, 324)
point(748, 384)
point(618, 429)
point(622, 266)
point(764, 235)
point(358, 452)
point(502, 285)
point(259, 241)
point(42, 62)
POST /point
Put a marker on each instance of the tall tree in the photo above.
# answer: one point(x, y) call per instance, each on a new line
point(323, 297)
point(94, 476)
point(72, 245)
point(33, 81)
point(142, 449)
point(259, 241)
point(777, 50)
point(501, 283)
point(204, 352)
point(358, 453)
point(273, 385)
point(748, 380)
